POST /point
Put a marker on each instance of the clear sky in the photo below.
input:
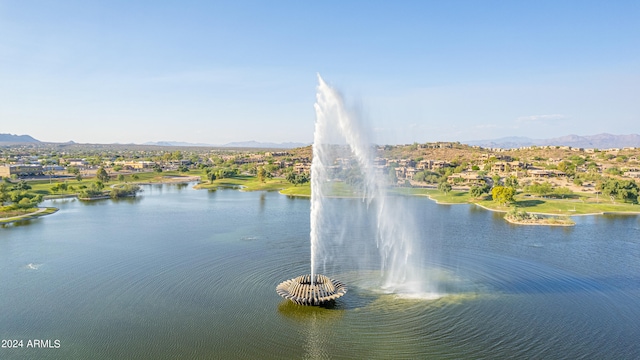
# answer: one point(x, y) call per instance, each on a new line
point(221, 71)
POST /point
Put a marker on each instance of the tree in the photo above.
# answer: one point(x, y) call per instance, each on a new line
point(126, 190)
point(477, 191)
point(120, 178)
point(102, 175)
point(211, 175)
point(625, 190)
point(496, 179)
point(503, 195)
point(511, 182)
point(4, 193)
point(262, 173)
point(22, 185)
point(445, 187)
point(540, 189)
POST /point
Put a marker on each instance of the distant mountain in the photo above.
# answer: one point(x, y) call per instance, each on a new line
point(10, 138)
point(264, 145)
point(600, 141)
point(240, 144)
point(176, 143)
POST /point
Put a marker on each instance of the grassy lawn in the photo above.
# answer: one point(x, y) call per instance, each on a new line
point(565, 207)
point(300, 190)
point(452, 197)
point(9, 215)
point(44, 187)
point(576, 205)
point(248, 183)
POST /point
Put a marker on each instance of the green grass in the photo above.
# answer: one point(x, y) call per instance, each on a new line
point(452, 197)
point(567, 207)
point(581, 204)
point(44, 187)
point(7, 216)
point(248, 183)
point(300, 190)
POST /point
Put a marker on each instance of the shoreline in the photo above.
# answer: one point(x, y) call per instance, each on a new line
point(32, 215)
point(51, 210)
point(198, 186)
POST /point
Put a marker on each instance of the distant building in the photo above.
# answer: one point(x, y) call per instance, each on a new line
point(21, 170)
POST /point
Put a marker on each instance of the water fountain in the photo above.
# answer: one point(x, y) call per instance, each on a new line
point(343, 158)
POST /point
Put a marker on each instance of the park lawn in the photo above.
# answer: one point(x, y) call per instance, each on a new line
point(452, 197)
point(335, 189)
point(248, 183)
point(567, 207)
point(8, 215)
point(43, 187)
point(303, 190)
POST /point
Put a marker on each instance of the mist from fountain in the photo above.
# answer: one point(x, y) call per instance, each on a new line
point(343, 160)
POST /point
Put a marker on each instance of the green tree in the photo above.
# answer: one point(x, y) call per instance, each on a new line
point(475, 192)
point(445, 187)
point(22, 185)
point(102, 175)
point(625, 190)
point(562, 192)
point(262, 174)
point(496, 179)
point(503, 195)
point(540, 189)
point(511, 182)
point(291, 177)
point(120, 177)
point(4, 193)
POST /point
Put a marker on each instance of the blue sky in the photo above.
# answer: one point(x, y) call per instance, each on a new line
point(221, 71)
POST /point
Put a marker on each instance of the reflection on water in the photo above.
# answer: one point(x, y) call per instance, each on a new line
point(186, 273)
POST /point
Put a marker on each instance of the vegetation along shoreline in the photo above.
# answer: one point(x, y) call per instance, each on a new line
point(532, 186)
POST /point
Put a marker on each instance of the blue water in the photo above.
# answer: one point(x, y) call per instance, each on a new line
point(179, 272)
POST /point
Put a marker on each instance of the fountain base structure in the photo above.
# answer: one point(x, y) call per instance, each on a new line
point(301, 291)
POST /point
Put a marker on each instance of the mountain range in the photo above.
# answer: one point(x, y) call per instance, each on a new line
point(19, 139)
point(242, 144)
point(599, 141)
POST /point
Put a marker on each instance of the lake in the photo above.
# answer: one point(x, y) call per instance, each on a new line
point(178, 272)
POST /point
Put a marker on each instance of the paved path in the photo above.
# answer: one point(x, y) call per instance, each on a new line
point(23, 216)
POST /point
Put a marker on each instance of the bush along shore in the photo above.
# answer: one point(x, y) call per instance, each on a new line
point(522, 217)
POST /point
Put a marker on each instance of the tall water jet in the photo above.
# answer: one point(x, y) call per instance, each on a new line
point(343, 163)
point(342, 144)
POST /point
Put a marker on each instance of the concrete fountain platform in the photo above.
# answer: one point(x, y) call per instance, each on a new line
point(302, 292)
